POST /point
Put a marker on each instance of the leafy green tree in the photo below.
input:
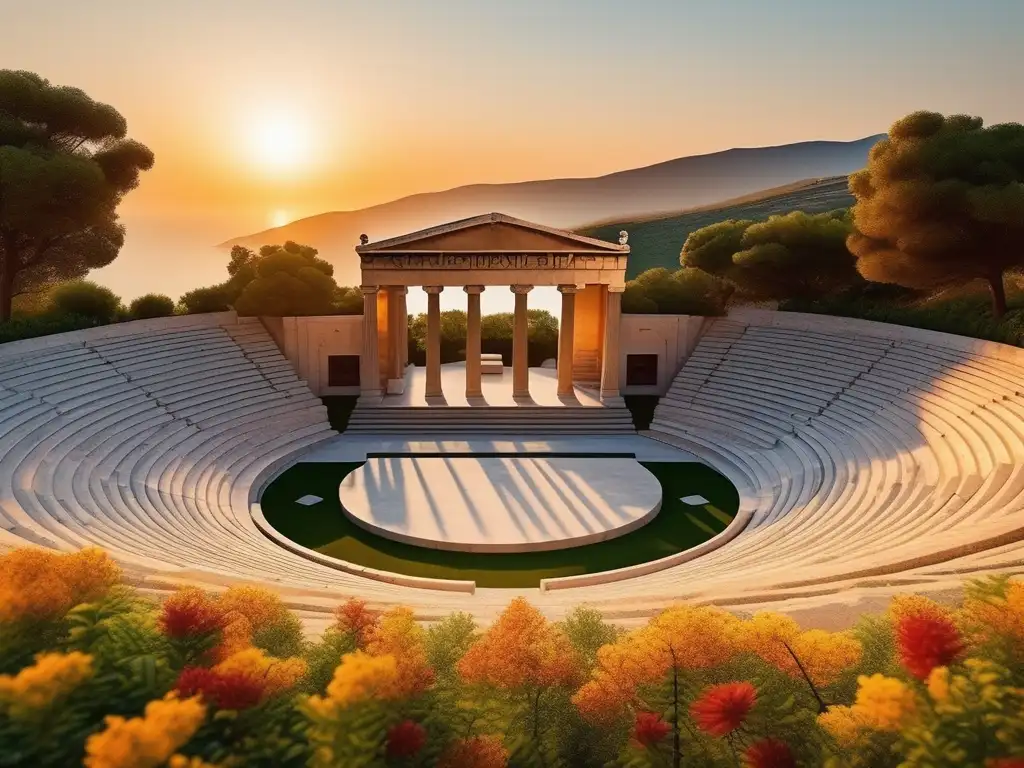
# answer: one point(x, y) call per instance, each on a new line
point(151, 305)
point(711, 248)
point(65, 165)
point(688, 291)
point(86, 299)
point(796, 256)
point(941, 202)
point(282, 280)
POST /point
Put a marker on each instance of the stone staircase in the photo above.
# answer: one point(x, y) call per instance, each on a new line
point(586, 368)
point(511, 420)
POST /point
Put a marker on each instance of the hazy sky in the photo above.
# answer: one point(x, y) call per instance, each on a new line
point(262, 109)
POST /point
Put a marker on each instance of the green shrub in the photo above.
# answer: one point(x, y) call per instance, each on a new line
point(86, 299)
point(687, 291)
point(213, 298)
point(151, 305)
point(32, 327)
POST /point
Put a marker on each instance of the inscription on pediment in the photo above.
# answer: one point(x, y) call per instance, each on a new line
point(486, 261)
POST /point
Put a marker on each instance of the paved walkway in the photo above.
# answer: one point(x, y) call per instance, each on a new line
point(497, 389)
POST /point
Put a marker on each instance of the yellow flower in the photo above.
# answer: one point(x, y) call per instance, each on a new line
point(276, 674)
point(361, 677)
point(991, 618)
point(52, 677)
point(883, 703)
point(903, 606)
point(147, 741)
point(843, 724)
point(938, 685)
point(260, 606)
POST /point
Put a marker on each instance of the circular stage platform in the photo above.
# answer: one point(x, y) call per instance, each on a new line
point(500, 504)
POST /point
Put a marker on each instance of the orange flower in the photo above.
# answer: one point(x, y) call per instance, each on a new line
point(649, 728)
point(769, 753)
point(397, 634)
point(926, 642)
point(521, 649)
point(477, 752)
point(41, 585)
point(354, 617)
point(679, 638)
point(721, 709)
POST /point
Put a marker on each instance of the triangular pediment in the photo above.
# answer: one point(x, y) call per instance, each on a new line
point(496, 233)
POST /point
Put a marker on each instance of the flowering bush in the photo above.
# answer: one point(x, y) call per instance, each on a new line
point(93, 674)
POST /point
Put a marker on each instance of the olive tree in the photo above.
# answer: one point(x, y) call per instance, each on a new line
point(941, 202)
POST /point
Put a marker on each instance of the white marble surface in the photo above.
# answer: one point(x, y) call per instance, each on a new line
point(497, 389)
point(506, 504)
point(356, 447)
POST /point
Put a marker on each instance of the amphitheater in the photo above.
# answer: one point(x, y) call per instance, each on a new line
point(869, 458)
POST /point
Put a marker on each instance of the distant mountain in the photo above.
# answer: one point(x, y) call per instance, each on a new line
point(674, 185)
point(655, 241)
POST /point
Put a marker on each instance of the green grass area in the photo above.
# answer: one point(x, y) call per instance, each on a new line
point(656, 241)
point(324, 528)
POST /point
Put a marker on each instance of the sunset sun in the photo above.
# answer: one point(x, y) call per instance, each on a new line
point(279, 142)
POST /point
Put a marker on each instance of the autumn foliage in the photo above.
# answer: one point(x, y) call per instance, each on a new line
point(94, 675)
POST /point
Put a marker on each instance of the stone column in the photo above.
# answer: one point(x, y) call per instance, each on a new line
point(566, 333)
point(474, 388)
point(520, 342)
point(396, 338)
point(434, 340)
point(610, 354)
point(369, 369)
point(403, 329)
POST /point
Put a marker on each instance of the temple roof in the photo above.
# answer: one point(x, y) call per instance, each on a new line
point(492, 233)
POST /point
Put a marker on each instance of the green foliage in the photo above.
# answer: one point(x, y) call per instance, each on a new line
point(348, 300)
point(447, 642)
point(215, 298)
point(65, 165)
point(966, 311)
point(941, 203)
point(587, 631)
point(795, 256)
point(44, 325)
point(151, 305)
point(323, 656)
point(282, 281)
point(687, 291)
point(86, 299)
point(654, 242)
point(282, 639)
point(495, 332)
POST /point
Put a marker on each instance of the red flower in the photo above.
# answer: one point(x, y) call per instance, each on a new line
point(769, 753)
point(927, 642)
point(1005, 762)
point(406, 739)
point(649, 728)
point(193, 680)
point(189, 612)
point(226, 690)
point(721, 709)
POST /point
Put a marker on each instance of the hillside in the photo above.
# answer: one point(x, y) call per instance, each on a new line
point(675, 185)
point(656, 241)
